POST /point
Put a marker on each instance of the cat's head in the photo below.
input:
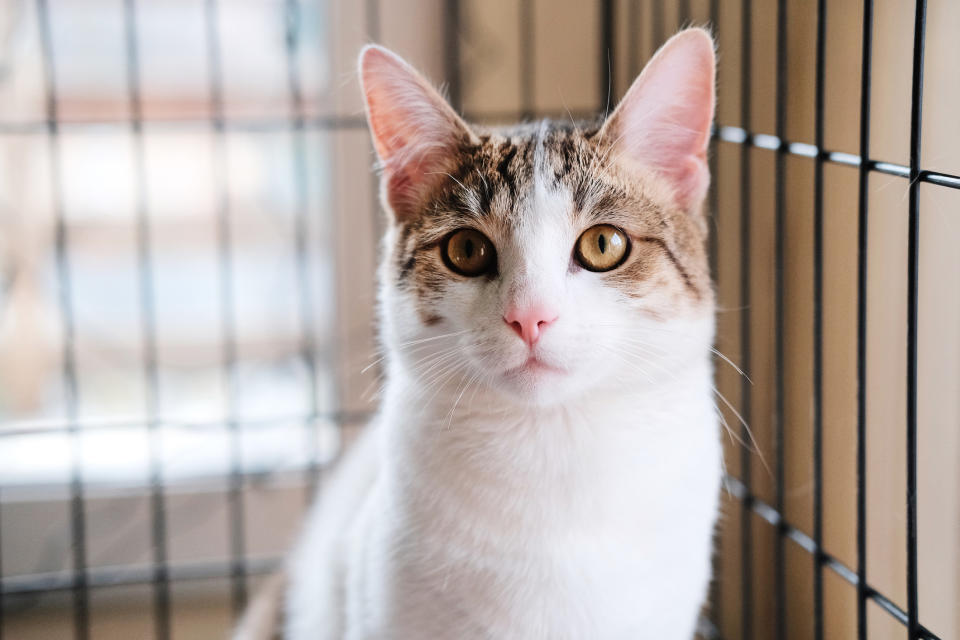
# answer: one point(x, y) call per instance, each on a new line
point(544, 260)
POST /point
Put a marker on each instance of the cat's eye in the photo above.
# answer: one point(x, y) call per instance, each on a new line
point(468, 252)
point(602, 248)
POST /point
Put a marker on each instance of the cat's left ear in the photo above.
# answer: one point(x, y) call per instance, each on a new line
point(663, 122)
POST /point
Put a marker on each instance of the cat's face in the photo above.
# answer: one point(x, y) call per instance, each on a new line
point(546, 260)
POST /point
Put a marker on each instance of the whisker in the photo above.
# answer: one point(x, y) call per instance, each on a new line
point(755, 448)
point(730, 362)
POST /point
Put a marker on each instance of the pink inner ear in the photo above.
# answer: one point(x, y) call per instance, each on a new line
point(664, 120)
point(414, 130)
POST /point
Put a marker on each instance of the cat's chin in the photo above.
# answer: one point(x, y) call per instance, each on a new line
point(535, 382)
point(534, 368)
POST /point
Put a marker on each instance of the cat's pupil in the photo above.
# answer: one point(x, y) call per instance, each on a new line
point(468, 248)
point(602, 243)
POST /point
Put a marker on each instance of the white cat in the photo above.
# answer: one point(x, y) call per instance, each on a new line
point(546, 460)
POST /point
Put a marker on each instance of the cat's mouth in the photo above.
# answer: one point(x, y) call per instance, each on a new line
point(534, 366)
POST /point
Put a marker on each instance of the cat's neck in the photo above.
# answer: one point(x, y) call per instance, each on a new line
point(457, 452)
point(473, 428)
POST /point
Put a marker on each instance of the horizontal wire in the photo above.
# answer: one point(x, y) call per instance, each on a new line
point(26, 428)
point(805, 542)
point(279, 122)
point(125, 575)
point(738, 135)
point(735, 135)
point(251, 125)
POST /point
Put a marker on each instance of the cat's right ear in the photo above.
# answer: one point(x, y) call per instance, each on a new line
point(415, 132)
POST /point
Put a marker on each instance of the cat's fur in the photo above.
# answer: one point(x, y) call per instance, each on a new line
point(574, 497)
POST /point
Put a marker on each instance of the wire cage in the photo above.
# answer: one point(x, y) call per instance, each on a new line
point(179, 408)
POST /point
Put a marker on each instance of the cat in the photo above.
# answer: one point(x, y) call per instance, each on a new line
point(546, 460)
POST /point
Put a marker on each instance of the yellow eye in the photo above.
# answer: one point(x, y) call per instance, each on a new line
point(602, 248)
point(469, 253)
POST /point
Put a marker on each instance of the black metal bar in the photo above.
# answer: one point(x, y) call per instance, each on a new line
point(746, 531)
point(451, 45)
point(608, 77)
point(527, 64)
point(238, 583)
point(716, 585)
point(683, 13)
point(940, 179)
point(913, 307)
point(712, 238)
point(657, 24)
point(301, 238)
point(81, 604)
point(160, 579)
point(817, 408)
point(739, 135)
point(780, 205)
point(863, 191)
point(633, 42)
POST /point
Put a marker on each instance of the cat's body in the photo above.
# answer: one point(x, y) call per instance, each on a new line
point(546, 459)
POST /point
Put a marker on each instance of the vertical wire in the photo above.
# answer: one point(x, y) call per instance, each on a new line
point(713, 250)
point(527, 70)
point(301, 237)
point(374, 28)
point(451, 35)
point(657, 24)
point(862, 256)
point(913, 306)
point(633, 43)
point(746, 534)
point(683, 13)
point(607, 58)
point(780, 580)
point(235, 506)
point(80, 587)
point(160, 578)
point(712, 239)
point(818, 320)
point(373, 19)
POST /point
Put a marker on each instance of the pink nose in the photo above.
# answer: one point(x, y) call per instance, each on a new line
point(530, 322)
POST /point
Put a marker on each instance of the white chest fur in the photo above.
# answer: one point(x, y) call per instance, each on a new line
point(589, 521)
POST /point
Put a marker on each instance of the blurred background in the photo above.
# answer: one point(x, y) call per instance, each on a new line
point(188, 237)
